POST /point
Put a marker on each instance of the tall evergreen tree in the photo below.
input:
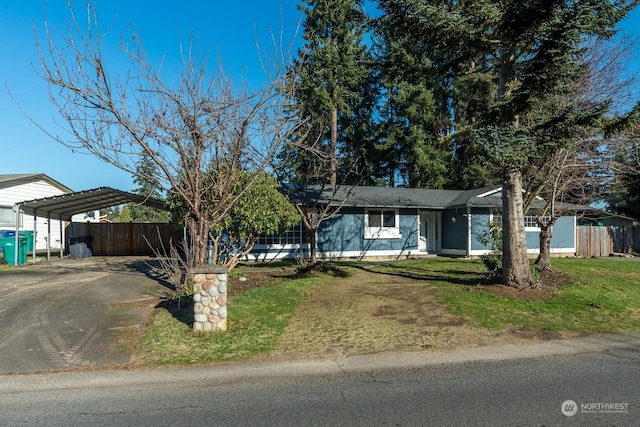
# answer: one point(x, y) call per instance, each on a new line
point(531, 51)
point(409, 149)
point(332, 71)
point(147, 186)
point(333, 68)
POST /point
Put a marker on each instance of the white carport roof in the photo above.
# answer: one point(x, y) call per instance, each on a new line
point(64, 206)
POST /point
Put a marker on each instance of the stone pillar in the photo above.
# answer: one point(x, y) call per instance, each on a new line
point(209, 298)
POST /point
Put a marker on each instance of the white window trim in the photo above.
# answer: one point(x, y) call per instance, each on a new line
point(493, 217)
point(533, 218)
point(382, 232)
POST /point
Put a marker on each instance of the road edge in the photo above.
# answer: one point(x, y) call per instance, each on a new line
point(251, 371)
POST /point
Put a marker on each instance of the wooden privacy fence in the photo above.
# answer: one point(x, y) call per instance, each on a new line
point(111, 239)
point(599, 241)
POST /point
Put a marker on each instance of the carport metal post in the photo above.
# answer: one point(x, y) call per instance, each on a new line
point(16, 208)
point(35, 236)
point(61, 238)
point(49, 236)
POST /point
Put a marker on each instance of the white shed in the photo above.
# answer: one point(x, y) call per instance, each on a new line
point(15, 188)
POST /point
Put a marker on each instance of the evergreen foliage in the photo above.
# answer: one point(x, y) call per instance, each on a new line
point(148, 186)
point(334, 67)
point(505, 65)
point(125, 214)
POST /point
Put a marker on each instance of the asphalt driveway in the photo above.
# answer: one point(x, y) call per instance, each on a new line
point(74, 313)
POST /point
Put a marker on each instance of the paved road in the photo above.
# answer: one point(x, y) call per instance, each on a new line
point(73, 313)
point(494, 386)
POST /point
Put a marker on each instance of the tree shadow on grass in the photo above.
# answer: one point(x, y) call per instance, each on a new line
point(180, 309)
point(456, 277)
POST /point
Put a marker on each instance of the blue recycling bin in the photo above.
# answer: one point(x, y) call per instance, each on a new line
point(7, 233)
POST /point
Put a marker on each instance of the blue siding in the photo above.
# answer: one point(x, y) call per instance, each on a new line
point(344, 232)
point(564, 233)
point(480, 222)
point(454, 233)
point(533, 240)
point(562, 236)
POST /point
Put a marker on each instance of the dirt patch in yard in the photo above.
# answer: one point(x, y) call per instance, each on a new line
point(369, 312)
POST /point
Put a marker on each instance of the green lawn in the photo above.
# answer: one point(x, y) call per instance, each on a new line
point(258, 318)
point(600, 295)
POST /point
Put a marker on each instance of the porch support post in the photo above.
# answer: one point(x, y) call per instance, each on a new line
point(468, 231)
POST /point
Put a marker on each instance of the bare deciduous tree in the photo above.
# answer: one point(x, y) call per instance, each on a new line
point(568, 179)
point(580, 171)
point(200, 131)
point(306, 176)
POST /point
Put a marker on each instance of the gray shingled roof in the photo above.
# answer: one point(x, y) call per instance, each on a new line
point(378, 197)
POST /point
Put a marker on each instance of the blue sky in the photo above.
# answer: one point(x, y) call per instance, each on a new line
point(227, 29)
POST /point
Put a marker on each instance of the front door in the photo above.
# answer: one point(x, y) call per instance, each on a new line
point(429, 240)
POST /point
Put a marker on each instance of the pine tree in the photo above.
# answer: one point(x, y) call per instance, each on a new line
point(125, 214)
point(530, 50)
point(148, 186)
point(333, 73)
point(333, 67)
point(408, 151)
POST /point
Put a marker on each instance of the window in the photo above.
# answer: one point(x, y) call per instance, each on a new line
point(530, 221)
point(293, 236)
point(382, 224)
point(8, 217)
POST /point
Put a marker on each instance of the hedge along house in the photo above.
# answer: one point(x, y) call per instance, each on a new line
point(406, 222)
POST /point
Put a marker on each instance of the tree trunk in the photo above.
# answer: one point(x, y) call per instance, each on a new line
point(199, 234)
point(515, 262)
point(334, 148)
point(543, 262)
point(312, 246)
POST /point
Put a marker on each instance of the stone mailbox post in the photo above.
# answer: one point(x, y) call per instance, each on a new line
point(209, 298)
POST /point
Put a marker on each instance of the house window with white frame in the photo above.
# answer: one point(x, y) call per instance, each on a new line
point(382, 224)
point(8, 216)
point(530, 222)
point(294, 236)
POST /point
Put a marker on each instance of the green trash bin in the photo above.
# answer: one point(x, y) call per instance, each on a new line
point(29, 235)
point(4, 241)
point(9, 245)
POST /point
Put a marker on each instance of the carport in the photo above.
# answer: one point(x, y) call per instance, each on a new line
point(64, 206)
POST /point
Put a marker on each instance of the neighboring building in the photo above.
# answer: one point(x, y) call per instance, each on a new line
point(403, 222)
point(16, 188)
point(90, 216)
